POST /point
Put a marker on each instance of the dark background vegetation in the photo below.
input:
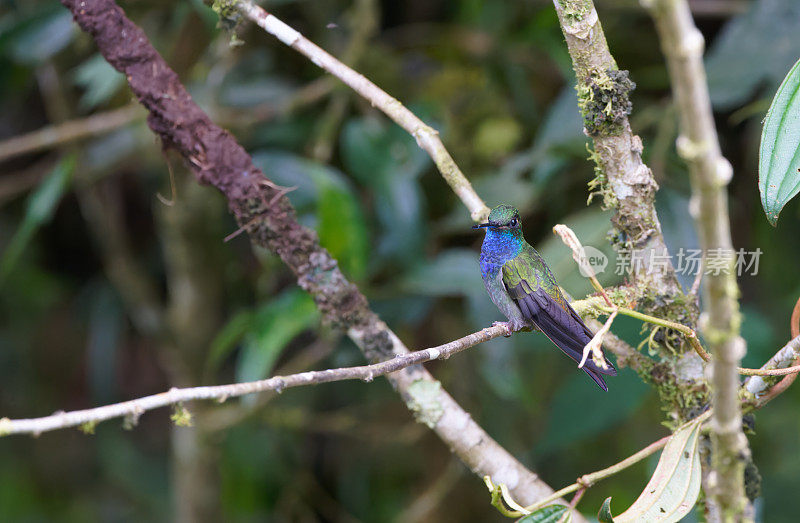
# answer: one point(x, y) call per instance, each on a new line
point(495, 79)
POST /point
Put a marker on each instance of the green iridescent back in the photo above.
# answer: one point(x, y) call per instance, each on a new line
point(529, 270)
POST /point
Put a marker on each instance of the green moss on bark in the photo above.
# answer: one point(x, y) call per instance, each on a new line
point(605, 103)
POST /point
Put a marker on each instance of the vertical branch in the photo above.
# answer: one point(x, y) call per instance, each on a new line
point(189, 235)
point(626, 183)
point(683, 44)
point(628, 187)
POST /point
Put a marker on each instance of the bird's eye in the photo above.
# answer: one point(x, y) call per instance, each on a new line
point(514, 222)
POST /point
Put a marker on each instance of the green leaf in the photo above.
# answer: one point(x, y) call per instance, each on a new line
point(290, 170)
point(548, 514)
point(673, 489)
point(604, 515)
point(99, 80)
point(42, 205)
point(227, 338)
point(736, 63)
point(373, 149)
point(340, 221)
point(454, 272)
point(274, 325)
point(35, 40)
point(383, 157)
point(342, 229)
point(779, 154)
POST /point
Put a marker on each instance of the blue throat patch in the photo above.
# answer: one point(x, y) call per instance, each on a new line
point(499, 246)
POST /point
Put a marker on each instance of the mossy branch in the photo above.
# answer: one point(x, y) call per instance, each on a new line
point(626, 183)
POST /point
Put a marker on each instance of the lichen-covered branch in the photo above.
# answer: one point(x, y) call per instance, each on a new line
point(625, 182)
point(261, 208)
point(426, 136)
point(683, 44)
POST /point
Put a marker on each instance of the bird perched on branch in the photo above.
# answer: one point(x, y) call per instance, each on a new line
point(521, 285)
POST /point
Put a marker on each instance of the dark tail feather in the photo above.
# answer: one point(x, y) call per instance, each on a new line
point(564, 328)
point(589, 367)
point(572, 344)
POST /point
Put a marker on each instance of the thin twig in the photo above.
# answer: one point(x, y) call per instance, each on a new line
point(785, 383)
point(426, 136)
point(587, 480)
point(688, 332)
point(760, 387)
point(572, 241)
point(691, 336)
point(221, 393)
point(70, 131)
point(698, 278)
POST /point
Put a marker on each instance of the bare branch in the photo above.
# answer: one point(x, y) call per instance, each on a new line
point(785, 383)
point(698, 144)
point(70, 131)
point(426, 136)
point(137, 407)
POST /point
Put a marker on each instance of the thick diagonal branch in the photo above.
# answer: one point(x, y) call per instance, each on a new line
point(259, 206)
point(683, 45)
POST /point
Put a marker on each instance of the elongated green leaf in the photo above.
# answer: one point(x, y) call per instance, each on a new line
point(735, 61)
point(99, 80)
point(42, 205)
point(341, 225)
point(548, 514)
point(673, 489)
point(228, 336)
point(779, 154)
point(30, 36)
point(274, 325)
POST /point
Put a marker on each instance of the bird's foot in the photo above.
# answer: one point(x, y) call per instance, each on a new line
point(511, 327)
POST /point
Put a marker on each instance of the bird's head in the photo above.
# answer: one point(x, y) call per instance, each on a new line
point(502, 217)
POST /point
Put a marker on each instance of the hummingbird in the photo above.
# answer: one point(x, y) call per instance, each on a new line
point(520, 284)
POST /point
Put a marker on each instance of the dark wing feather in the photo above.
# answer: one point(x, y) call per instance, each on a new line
point(564, 327)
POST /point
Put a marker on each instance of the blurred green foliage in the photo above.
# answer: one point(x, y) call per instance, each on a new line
point(494, 79)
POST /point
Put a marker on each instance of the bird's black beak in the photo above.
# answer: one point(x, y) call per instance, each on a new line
point(481, 225)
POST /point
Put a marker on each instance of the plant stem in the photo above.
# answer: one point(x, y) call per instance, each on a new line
point(66, 132)
point(682, 44)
